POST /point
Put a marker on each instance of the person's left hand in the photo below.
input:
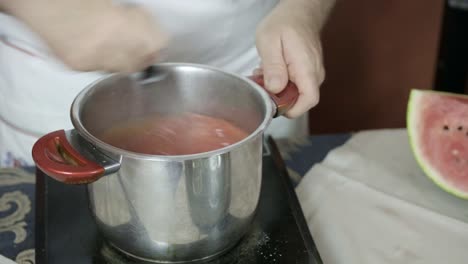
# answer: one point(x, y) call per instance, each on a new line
point(289, 46)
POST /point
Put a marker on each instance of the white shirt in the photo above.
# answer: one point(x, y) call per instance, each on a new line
point(36, 89)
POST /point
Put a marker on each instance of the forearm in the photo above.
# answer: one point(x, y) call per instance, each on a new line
point(54, 19)
point(22, 7)
point(37, 12)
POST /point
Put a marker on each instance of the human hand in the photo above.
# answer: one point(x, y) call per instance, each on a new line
point(96, 35)
point(289, 45)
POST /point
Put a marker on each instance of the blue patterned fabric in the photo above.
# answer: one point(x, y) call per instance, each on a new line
point(17, 192)
point(301, 154)
point(17, 204)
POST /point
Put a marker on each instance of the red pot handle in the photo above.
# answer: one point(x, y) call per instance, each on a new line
point(54, 156)
point(283, 100)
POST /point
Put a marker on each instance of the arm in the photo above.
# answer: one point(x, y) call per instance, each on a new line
point(38, 10)
point(92, 35)
point(288, 42)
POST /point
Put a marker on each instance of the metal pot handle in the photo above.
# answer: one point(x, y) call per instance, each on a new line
point(57, 158)
point(283, 100)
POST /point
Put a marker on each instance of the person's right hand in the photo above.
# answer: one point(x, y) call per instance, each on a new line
point(97, 35)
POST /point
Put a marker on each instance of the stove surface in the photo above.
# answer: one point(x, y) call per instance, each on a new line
point(66, 232)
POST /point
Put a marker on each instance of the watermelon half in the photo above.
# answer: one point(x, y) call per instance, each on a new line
point(437, 124)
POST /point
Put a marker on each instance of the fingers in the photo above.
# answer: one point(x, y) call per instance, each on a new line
point(258, 71)
point(306, 71)
point(143, 42)
point(308, 98)
point(275, 70)
point(291, 56)
point(287, 55)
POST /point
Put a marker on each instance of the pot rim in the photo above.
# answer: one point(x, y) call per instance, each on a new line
point(76, 109)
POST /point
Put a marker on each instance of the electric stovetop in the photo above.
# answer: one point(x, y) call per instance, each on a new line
point(66, 232)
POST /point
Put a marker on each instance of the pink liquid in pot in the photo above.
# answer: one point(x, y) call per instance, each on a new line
point(180, 134)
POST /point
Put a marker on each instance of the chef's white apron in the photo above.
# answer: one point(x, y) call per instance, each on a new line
point(36, 89)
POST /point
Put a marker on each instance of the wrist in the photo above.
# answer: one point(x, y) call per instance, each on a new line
point(312, 12)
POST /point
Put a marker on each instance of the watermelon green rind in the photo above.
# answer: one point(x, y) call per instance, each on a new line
point(412, 117)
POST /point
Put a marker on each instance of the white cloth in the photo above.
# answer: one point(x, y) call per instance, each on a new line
point(369, 202)
point(4, 260)
point(36, 91)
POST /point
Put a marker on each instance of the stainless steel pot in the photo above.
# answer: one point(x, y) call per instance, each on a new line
point(166, 208)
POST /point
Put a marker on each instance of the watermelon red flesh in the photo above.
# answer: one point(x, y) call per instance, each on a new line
point(438, 128)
